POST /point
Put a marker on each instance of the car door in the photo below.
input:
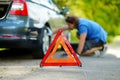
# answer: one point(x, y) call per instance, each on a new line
point(56, 20)
point(37, 12)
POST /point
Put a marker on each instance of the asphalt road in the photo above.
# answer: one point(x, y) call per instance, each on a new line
point(23, 67)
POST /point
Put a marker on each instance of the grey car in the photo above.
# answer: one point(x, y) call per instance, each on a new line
point(26, 24)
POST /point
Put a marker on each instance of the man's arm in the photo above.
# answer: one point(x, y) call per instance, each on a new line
point(63, 29)
point(82, 39)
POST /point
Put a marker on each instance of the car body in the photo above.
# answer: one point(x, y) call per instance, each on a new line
point(27, 24)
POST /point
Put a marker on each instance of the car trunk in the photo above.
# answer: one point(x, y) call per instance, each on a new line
point(15, 24)
point(5, 6)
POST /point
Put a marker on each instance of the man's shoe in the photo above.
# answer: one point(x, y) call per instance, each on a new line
point(103, 51)
point(78, 55)
point(97, 53)
point(65, 54)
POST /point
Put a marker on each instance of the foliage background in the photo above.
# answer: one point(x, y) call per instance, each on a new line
point(105, 12)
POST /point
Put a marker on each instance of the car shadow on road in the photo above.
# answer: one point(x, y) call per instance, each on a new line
point(21, 54)
point(15, 54)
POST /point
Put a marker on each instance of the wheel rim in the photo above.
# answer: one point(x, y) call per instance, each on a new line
point(45, 41)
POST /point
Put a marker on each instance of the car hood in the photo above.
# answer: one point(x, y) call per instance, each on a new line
point(5, 6)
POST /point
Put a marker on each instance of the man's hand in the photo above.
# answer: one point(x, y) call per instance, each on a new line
point(63, 29)
point(50, 33)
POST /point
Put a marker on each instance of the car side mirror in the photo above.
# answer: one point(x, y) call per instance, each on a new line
point(64, 11)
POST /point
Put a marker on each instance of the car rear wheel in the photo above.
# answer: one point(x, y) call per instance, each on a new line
point(43, 41)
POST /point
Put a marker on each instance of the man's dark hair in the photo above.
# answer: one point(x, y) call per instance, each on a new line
point(73, 20)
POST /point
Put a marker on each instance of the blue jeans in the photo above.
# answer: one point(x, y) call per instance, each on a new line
point(88, 45)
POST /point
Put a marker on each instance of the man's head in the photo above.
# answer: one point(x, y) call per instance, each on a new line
point(72, 21)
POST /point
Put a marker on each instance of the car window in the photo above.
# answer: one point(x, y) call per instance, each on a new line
point(43, 2)
point(47, 3)
point(55, 6)
point(4, 8)
point(39, 1)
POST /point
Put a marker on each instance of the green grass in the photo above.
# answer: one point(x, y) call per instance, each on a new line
point(115, 40)
point(1, 49)
point(73, 36)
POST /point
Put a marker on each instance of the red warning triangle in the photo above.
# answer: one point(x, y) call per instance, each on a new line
point(71, 60)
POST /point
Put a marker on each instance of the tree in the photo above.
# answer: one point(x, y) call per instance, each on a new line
point(105, 12)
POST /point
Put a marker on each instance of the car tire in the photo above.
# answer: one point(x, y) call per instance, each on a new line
point(43, 41)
